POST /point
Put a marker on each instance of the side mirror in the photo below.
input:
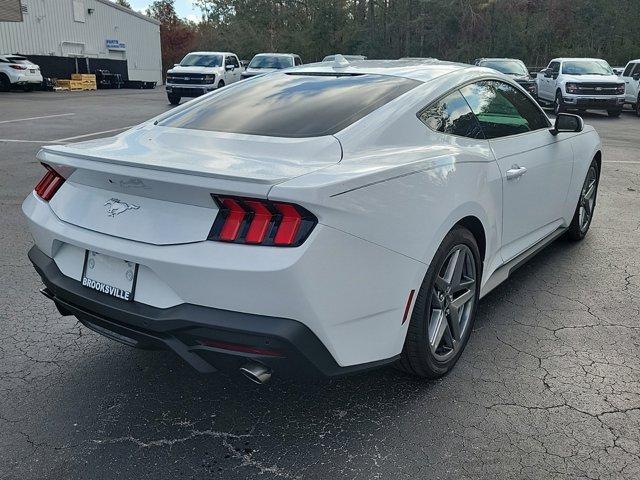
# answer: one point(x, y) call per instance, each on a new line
point(229, 68)
point(565, 122)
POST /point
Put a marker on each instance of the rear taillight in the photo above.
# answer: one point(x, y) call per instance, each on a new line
point(18, 67)
point(261, 222)
point(50, 183)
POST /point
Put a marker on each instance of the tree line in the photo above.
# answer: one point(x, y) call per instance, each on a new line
point(457, 30)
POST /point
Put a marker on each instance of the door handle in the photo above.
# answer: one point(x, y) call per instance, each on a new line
point(515, 172)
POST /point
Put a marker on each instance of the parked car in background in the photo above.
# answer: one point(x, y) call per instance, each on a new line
point(331, 58)
point(512, 67)
point(581, 84)
point(631, 78)
point(18, 72)
point(270, 62)
point(201, 72)
point(312, 222)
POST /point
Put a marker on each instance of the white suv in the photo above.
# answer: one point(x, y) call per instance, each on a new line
point(631, 78)
point(201, 72)
point(18, 71)
point(581, 84)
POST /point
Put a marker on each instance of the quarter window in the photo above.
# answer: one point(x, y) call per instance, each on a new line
point(451, 115)
point(503, 110)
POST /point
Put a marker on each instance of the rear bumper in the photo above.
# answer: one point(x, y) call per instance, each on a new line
point(207, 338)
point(27, 80)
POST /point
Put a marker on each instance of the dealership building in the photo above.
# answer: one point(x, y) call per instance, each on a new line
point(81, 36)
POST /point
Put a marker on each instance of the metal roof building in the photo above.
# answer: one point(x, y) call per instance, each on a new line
point(80, 36)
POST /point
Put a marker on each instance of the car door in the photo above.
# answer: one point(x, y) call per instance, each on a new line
point(536, 166)
point(234, 74)
point(550, 81)
point(628, 81)
point(631, 77)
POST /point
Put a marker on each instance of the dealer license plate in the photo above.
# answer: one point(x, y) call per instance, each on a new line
point(109, 275)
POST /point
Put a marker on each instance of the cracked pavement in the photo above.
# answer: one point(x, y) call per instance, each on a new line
point(548, 387)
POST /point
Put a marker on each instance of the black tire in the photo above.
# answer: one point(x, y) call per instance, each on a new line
point(558, 104)
point(578, 228)
point(174, 99)
point(614, 113)
point(638, 106)
point(221, 84)
point(27, 88)
point(417, 357)
point(5, 84)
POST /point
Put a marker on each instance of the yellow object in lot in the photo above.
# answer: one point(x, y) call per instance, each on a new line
point(78, 82)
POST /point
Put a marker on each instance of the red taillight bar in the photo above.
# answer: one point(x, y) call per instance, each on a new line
point(261, 222)
point(18, 67)
point(50, 183)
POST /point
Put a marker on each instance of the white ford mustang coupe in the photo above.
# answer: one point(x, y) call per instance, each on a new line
point(330, 218)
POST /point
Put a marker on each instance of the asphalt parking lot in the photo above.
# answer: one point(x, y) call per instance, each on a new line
point(548, 387)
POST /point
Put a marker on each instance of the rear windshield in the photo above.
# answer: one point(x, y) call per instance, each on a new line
point(292, 105)
point(266, 61)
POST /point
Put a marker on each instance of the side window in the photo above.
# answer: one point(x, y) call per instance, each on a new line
point(555, 67)
point(627, 71)
point(297, 61)
point(451, 115)
point(232, 60)
point(636, 70)
point(502, 110)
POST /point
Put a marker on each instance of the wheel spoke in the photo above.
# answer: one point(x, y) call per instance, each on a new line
point(590, 191)
point(462, 300)
point(436, 302)
point(437, 327)
point(454, 322)
point(457, 271)
point(441, 284)
point(451, 267)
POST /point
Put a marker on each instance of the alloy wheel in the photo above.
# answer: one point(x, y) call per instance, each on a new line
point(588, 199)
point(452, 300)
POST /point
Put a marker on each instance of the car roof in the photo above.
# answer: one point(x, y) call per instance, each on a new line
point(212, 53)
point(277, 54)
point(422, 70)
point(493, 59)
point(564, 59)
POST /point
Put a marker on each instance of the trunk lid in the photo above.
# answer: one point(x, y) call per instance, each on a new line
point(153, 184)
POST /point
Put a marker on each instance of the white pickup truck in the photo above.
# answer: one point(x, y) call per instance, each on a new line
point(201, 72)
point(631, 78)
point(581, 84)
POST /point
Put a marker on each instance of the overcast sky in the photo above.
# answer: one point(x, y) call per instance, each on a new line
point(184, 8)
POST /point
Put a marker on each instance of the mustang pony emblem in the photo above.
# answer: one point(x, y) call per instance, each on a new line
point(116, 207)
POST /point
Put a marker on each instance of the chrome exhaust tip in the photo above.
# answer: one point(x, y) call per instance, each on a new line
point(256, 372)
